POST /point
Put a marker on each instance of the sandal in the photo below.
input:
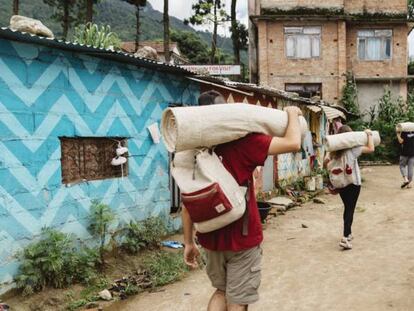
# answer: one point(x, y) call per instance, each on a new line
point(405, 184)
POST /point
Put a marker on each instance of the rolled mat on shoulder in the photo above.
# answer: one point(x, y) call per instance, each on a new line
point(185, 128)
point(405, 127)
point(350, 140)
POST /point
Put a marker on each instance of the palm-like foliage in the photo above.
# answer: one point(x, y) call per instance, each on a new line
point(98, 37)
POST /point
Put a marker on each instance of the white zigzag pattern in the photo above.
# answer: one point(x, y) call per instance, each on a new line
point(20, 215)
point(30, 95)
point(63, 107)
point(93, 100)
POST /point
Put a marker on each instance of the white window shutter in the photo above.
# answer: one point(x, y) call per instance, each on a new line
point(304, 47)
point(316, 46)
point(290, 46)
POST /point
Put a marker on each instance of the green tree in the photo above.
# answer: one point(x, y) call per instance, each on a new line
point(410, 8)
point(350, 95)
point(67, 12)
point(192, 46)
point(166, 22)
point(138, 5)
point(209, 12)
point(239, 33)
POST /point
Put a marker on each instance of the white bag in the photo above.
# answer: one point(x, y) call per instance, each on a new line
point(340, 171)
point(211, 195)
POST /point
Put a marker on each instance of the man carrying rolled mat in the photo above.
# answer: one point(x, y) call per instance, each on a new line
point(234, 259)
point(406, 139)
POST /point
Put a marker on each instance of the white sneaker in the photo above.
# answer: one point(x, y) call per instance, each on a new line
point(350, 237)
point(345, 243)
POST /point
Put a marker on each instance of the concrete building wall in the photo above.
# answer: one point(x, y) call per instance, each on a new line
point(46, 94)
point(349, 6)
point(275, 69)
point(369, 93)
point(376, 6)
point(395, 67)
point(290, 4)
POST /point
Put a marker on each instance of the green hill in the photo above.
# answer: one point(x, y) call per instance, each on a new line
point(119, 14)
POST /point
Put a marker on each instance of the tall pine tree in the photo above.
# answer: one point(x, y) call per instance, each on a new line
point(209, 12)
point(15, 7)
point(138, 5)
point(166, 21)
point(68, 12)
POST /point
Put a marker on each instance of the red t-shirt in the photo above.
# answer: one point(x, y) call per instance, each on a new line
point(240, 157)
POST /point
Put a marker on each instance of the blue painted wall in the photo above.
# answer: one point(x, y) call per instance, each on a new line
point(47, 93)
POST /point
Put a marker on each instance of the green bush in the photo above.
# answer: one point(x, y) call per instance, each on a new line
point(383, 118)
point(98, 37)
point(144, 234)
point(54, 261)
point(390, 111)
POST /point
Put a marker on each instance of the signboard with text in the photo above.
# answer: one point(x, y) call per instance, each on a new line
point(214, 70)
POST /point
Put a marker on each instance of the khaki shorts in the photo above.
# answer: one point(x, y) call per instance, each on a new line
point(236, 273)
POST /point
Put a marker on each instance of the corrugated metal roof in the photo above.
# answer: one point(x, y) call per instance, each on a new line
point(332, 113)
point(261, 89)
point(314, 108)
point(14, 35)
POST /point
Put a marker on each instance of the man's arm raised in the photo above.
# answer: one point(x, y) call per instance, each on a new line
point(291, 142)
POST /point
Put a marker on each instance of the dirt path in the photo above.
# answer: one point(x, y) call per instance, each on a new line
point(304, 269)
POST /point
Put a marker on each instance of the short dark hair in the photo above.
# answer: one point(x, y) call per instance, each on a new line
point(344, 129)
point(209, 98)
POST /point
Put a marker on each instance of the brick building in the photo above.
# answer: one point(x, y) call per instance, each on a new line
point(307, 46)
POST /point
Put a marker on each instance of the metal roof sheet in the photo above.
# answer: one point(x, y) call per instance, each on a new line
point(120, 56)
point(333, 113)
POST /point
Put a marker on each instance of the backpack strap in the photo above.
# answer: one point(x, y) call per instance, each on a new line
point(245, 229)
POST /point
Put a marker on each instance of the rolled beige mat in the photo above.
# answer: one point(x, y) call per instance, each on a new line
point(350, 140)
point(185, 128)
point(405, 127)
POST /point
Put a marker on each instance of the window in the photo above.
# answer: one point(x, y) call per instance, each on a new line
point(90, 159)
point(374, 44)
point(303, 42)
point(307, 90)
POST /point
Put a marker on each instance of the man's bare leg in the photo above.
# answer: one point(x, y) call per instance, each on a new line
point(233, 307)
point(218, 301)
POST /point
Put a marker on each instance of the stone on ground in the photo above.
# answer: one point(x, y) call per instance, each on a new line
point(105, 295)
point(281, 201)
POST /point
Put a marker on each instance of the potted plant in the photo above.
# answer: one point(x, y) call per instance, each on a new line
point(264, 207)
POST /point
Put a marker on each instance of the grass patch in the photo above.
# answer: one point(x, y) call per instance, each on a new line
point(87, 295)
point(165, 267)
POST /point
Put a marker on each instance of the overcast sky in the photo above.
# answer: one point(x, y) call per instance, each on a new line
point(182, 9)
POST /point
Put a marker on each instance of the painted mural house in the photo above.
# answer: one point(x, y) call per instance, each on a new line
point(66, 108)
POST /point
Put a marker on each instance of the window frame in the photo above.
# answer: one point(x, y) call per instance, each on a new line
point(304, 85)
point(295, 34)
point(122, 172)
point(383, 41)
